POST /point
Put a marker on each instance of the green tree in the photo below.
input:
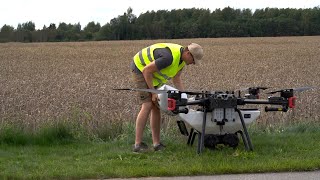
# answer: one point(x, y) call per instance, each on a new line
point(228, 14)
point(6, 33)
point(178, 23)
point(24, 32)
point(52, 26)
point(7, 29)
point(68, 32)
point(91, 30)
point(105, 33)
point(28, 26)
point(61, 32)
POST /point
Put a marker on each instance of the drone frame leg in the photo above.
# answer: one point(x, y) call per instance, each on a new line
point(191, 136)
point(245, 130)
point(201, 135)
point(243, 139)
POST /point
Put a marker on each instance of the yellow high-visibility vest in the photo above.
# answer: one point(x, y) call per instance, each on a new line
point(145, 57)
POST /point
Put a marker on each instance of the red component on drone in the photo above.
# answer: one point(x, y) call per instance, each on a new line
point(171, 104)
point(292, 102)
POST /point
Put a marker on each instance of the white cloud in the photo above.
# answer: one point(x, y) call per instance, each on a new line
point(43, 12)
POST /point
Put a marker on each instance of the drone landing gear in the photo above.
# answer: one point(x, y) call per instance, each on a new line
point(244, 140)
point(245, 137)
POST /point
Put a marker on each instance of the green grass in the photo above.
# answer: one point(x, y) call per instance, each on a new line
point(276, 149)
point(55, 134)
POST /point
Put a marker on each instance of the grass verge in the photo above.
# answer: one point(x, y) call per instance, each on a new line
point(277, 149)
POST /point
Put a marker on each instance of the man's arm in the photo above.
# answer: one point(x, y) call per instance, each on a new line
point(148, 73)
point(148, 76)
point(178, 82)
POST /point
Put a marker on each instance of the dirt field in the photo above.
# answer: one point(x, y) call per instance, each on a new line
point(48, 82)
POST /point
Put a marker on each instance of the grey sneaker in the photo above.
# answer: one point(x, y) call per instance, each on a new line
point(142, 147)
point(159, 147)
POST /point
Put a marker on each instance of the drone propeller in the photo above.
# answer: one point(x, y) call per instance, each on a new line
point(299, 89)
point(248, 88)
point(261, 87)
point(156, 91)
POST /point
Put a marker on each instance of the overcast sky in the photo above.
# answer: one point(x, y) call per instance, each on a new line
point(44, 12)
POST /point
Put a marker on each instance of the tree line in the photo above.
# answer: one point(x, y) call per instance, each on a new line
point(181, 23)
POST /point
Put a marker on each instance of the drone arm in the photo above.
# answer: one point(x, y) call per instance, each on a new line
point(285, 103)
point(196, 102)
point(243, 101)
point(175, 101)
point(271, 100)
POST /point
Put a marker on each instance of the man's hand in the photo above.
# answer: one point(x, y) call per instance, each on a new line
point(154, 98)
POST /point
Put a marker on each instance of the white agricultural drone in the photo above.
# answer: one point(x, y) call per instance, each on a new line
point(219, 118)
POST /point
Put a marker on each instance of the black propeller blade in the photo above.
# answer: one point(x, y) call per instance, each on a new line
point(156, 91)
point(299, 89)
point(261, 87)
point(248, 88)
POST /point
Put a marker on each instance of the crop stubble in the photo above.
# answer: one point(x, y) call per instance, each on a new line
point(43, 83)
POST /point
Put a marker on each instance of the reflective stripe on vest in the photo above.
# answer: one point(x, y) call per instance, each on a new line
point(145, 56)
point(148, 54)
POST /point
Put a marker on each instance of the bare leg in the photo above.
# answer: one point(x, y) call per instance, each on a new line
point(155, 123)
point(141, 120)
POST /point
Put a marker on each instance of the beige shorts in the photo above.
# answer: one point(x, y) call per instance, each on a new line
point(140, 83)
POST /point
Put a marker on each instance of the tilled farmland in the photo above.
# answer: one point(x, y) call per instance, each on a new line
point(45, 83)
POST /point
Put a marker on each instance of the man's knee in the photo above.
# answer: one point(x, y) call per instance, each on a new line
point(147, 105)
point(155, 107)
